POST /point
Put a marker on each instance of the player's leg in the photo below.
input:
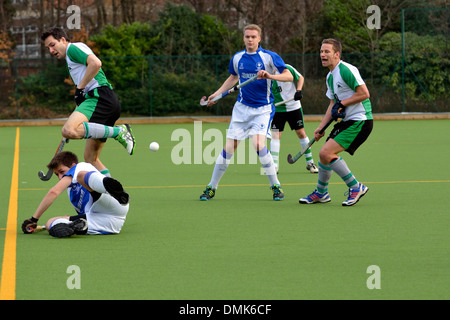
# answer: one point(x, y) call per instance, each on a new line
point(351, 136)
point(320, 194)
point(92, 152)
point(65, 226)
point(259, 123)
point(78, 127)
point(95, 117)
point(106, 216)
point(235, 133)
point(275, 146)
point(266, 160)
point(95, 181)
point(296, 122)
point(74, 128)
point(277, 127)
point(343, 140)
point(221, 165)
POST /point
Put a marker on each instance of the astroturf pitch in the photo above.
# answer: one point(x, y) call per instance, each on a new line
point(242, 244)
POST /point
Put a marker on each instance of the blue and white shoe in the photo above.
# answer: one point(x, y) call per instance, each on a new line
point(315, 197)
point(355, 194)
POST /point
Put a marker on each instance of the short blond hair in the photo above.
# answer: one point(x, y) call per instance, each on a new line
point(253, 27)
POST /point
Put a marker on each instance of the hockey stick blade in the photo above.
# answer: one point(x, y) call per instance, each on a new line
point(235, 88)
point(49, 174)
point(203, 101)
point(292, 159)
point(45, 177)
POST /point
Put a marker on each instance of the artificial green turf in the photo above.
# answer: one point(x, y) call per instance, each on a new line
point(243, 245)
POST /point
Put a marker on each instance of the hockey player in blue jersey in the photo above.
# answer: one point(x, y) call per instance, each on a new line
point(253, 110)
point(100, 203)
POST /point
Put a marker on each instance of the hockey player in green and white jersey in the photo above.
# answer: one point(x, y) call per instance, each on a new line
point(292, 113)
point(349, 100)
point(98, 107)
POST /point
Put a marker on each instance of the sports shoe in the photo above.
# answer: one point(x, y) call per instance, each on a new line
point(63, 230)
point(278, 194)
point(354, 195)
point(80, 226)
point(315, 197)
point(208, 194)
point(126, 138)
point(115, 189)
point(312, 167)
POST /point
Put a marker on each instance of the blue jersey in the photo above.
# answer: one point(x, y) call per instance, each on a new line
point(80, 198)
point(246, 65)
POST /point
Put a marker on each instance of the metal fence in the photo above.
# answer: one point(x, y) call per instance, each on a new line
point(411, 75)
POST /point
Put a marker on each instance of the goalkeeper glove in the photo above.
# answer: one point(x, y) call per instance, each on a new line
point(29, 225)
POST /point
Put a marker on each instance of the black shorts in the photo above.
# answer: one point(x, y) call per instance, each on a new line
point(351, 134)
point(294, 118)
point(101, 106)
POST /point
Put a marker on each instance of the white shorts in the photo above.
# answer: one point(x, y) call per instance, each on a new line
point(247, 121)
point(106, 215)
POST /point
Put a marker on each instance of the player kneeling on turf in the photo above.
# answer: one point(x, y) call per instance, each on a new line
point(100, 202)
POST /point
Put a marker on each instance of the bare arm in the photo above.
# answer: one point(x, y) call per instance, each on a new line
point(227, 85)
point(300, 82)
point(361, 94)
point(285, 76)
point(51, 196)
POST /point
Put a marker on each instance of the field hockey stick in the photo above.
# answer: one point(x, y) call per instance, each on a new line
point(203, 100)
point(49, 173)
point(38, 228)
point(292, 159)
point(282, 102)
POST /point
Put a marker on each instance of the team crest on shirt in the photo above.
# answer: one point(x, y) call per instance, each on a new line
point(259, 66)
point(241, 66)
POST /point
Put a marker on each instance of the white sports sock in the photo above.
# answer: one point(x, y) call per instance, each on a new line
point(324, 178)
point(308, 155)
point(222, 162)
point(94, 180)
point(340, 167)
point(275, 145)
point(99, 131)
point(269, 167)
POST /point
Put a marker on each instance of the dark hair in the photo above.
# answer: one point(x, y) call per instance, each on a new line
point(337, 46)
point(56, 32)
point(66, 158)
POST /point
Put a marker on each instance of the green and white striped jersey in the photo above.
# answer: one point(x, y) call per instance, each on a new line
point(343, 81)
point(76, 57)
point(285, 90)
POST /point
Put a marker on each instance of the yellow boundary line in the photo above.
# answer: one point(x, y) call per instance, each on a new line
point(8, 279)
